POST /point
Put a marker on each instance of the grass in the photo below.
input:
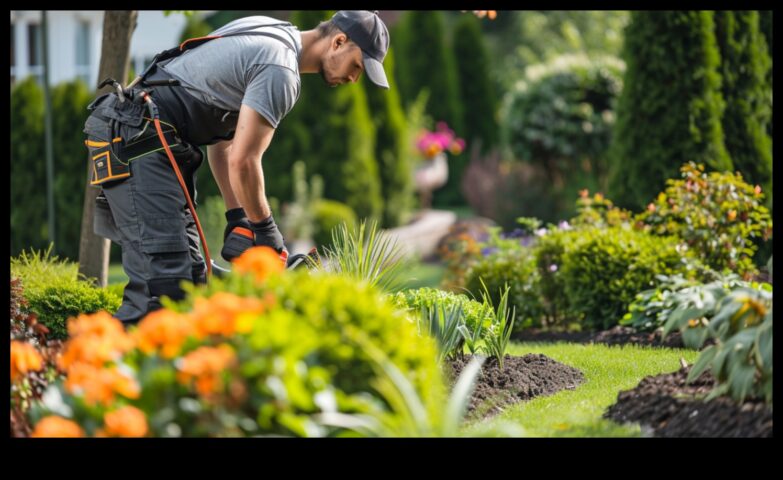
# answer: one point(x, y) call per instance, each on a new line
point(607, 370)
point(422, 274)
point(117, 274)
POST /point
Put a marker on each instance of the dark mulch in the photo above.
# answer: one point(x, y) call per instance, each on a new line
point(618, 335)
point(665, 406)
point(522, 378)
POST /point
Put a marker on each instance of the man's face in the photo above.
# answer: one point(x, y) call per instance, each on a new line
point(342, 62)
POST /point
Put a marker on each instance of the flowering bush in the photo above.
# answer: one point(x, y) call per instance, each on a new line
point(717, 215)
point(431, 144)
point(33, 356)
point(259, 352)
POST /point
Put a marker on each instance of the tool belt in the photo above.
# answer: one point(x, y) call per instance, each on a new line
point(119, 132)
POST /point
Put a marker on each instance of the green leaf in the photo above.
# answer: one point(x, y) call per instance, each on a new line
point(702, 362)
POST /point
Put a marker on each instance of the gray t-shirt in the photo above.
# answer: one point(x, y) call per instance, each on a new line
point(258, 71)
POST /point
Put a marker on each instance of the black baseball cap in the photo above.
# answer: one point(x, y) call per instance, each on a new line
point(366, 29)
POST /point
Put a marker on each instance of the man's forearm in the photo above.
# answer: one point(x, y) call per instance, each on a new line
point(217, 155)
point(247, 179)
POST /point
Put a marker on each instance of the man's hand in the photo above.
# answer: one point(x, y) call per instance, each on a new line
point(267, 233)
point(237, 236)
point(246, 234)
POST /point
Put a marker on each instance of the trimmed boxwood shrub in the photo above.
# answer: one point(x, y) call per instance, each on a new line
point(517, 268)
point(603, 270)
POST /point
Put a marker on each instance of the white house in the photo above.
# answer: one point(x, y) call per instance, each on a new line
point(75, 42)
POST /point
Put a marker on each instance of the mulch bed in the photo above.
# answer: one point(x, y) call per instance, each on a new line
point(522, 378)
point(665, 406)
point(618, 335)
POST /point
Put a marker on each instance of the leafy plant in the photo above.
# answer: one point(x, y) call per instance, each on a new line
point(740, 321)
point(499, 333)
point(407, 415)
point(443, 324)
point(363, 253)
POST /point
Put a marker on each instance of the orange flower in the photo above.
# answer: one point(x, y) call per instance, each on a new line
point(24, 358)
point(100, 385)
point(127, 421)
point(165, 330)
point(54, 426)
point(224, 314)
point(260, 261)
point(205, 365)
point(757, 190)
point(651, 207)
point(95, 339)
point(584, 193)
point(731, 215)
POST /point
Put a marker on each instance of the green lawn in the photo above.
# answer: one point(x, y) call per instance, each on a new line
point(421, 274)
point(607, 370)
point(117, 275)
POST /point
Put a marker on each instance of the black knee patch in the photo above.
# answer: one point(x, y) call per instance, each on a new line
point(168, 287)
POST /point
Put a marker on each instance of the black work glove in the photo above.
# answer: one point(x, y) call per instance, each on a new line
point(267, 233)
point(235, 218)
point(246, 234)
point(236, 242)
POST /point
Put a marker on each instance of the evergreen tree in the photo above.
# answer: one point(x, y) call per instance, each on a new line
point(475, 87)
point(744, 68)
point(391, 148)
point(670, 109)
point(69, 112)
point(28, 168)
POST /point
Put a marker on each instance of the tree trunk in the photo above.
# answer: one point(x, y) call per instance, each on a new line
point(118, 28)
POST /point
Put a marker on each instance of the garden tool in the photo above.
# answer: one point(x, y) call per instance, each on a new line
point(308, 259)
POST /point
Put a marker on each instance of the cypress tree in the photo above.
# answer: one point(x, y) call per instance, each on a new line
point(744, 68)
point(391, 148)
point(475, 87)
point(670, 109)
point(69, 112)
point(430, 65)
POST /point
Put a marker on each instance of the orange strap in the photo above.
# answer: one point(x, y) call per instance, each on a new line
point(184, 189)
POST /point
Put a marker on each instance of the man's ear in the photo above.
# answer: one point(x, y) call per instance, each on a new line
point(339, 40)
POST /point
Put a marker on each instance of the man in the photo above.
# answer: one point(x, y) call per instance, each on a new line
point(232, 93)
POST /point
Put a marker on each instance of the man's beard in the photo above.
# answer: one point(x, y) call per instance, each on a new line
point(323, 75)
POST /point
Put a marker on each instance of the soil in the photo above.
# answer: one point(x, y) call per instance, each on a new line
point(522, 378)
point(665, 406)
point(618, 335)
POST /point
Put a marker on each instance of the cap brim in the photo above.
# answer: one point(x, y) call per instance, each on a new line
point(375, 72)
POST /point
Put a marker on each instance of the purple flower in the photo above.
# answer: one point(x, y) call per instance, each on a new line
point(564, 225)
point(553, 268)
point(541, 232)
point(526, 241)
point(488, 250)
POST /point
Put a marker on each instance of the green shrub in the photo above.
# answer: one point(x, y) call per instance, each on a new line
point(474, 312)
point(62, 300)
point(55, 294)
point(328, 215)
point(307, 342)
point(561, 118)
point(718, 215)
point(603, 269)
point(517, 268)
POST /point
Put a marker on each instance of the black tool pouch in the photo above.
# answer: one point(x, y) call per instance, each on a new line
point(117, 133)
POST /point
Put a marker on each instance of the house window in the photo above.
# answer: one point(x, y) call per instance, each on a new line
point(35, 52)
point(83, 51)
